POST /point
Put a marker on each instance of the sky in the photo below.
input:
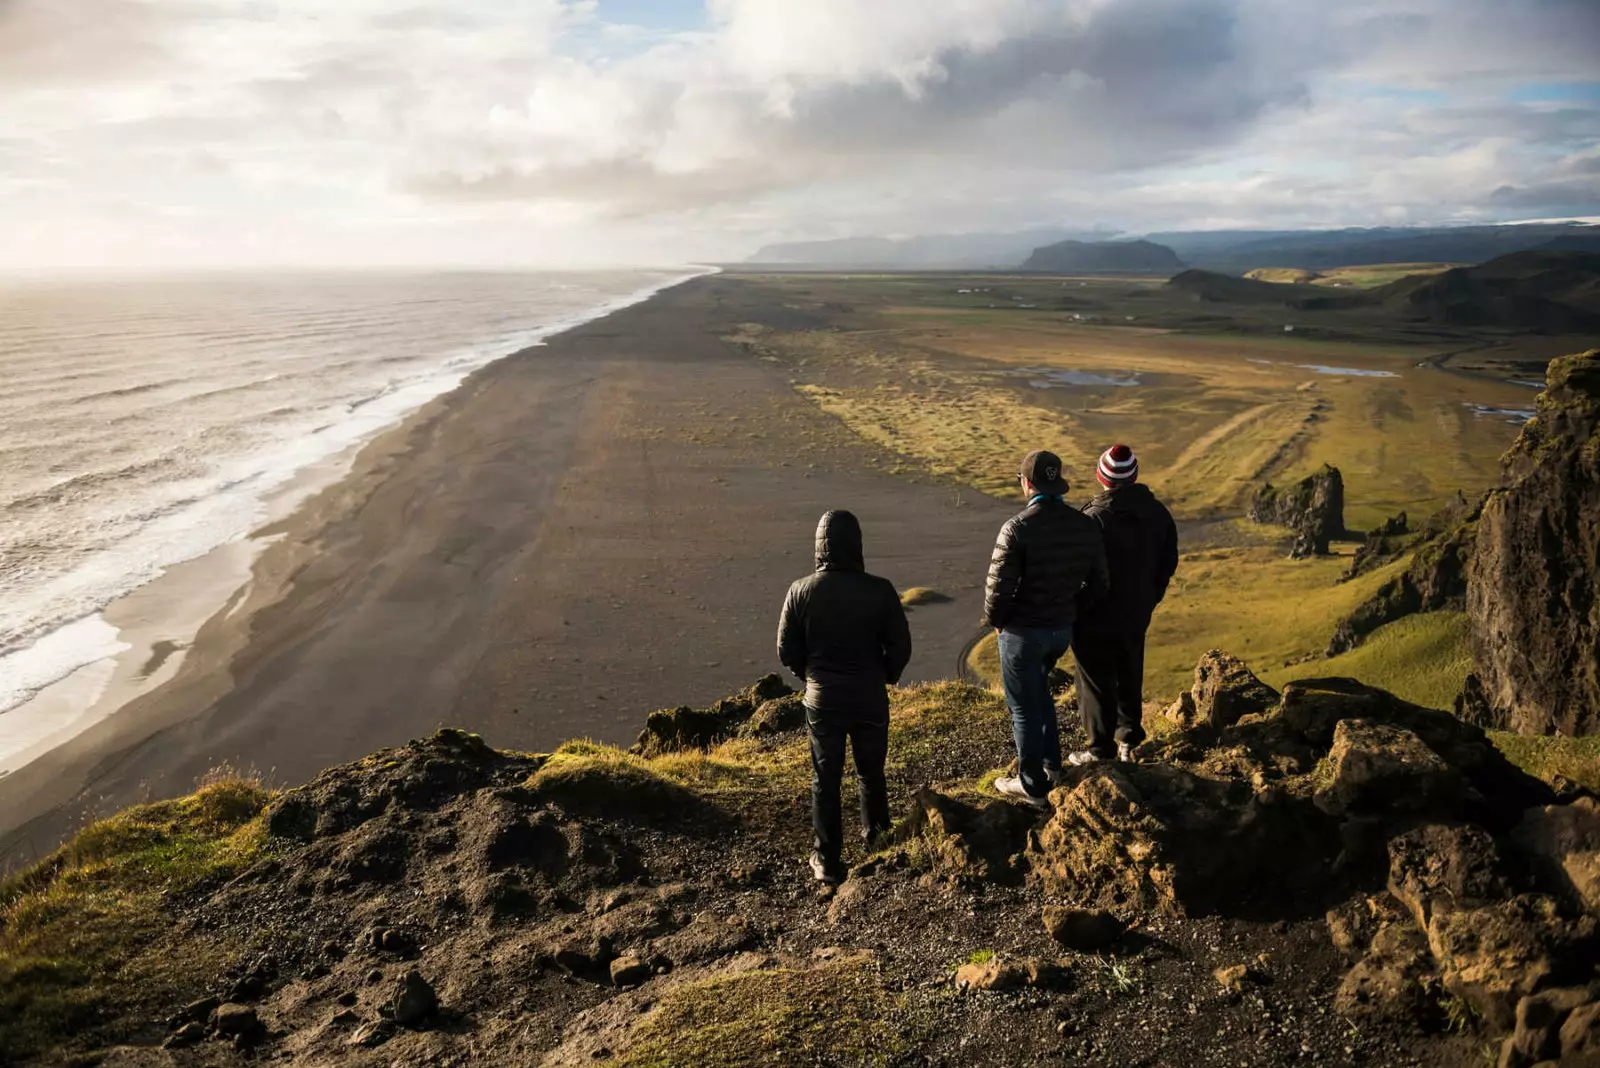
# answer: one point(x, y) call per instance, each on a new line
point(586, 132)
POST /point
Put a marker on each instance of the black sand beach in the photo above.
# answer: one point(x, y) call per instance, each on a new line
point(580, 533)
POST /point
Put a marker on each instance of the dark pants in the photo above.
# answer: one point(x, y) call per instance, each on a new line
point(869, 741)
point(1111, 689)
point(1026, 656)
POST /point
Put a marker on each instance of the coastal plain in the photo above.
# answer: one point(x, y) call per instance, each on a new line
point(599, 525)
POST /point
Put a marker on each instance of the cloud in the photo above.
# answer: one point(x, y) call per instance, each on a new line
point(773, 119)
point(51, 42)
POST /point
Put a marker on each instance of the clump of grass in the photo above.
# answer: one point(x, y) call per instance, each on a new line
point(81, 932)
point(980, 956)
point(1120, 976)
point(828, 1015)
point(918, 595)
point(1545, 757)
point(1460, 1017)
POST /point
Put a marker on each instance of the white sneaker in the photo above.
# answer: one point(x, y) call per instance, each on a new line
point(1125, 752)
point(1012, 786)
point(1084, 756)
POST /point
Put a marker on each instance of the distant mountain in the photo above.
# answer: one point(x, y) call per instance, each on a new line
point(1241, 251)
point(1557, 292)
point(1097, 257)
point(1552, 291)
point(974, 251)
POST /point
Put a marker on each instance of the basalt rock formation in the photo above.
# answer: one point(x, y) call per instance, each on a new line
point(1435, 580)
point(1313, 508)
point(1533, 584)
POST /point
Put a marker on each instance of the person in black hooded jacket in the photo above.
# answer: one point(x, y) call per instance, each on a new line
point(844, 632)
point(1142, 553)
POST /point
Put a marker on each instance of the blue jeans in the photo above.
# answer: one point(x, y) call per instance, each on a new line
point(1026, 656)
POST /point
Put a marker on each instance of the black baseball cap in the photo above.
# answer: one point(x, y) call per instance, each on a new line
point(1043, 469)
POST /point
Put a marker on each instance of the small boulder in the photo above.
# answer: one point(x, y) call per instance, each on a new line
point(1537, 1035)
point(1378, 767)
point(1085, 930)
point(1563, 842)
point(1442, 866)
point(1394, 979)
point(629, 971)
point(991, 975)
point(776, 716)
point(1225, 690)
point(1352, 926)
point(233, 1019)
point(1495, 956)
point(1183, 711)
point(414, 999)
point(1235, 977)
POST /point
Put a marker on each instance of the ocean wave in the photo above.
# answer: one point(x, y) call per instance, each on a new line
point(118, 522)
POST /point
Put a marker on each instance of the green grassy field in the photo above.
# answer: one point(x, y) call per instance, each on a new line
point(909, 363)
point(961, 375)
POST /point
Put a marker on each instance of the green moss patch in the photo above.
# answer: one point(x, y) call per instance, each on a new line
point(81, 933)
point(828, 1015)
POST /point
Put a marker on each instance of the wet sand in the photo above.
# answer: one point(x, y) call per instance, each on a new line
point(579, 534)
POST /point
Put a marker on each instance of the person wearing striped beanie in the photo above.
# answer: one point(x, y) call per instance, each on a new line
point(1118, 467)
point(1108, 644)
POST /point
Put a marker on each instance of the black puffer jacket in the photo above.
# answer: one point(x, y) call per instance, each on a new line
point(842, 630)
point(1046, 556)
point(1142, 553)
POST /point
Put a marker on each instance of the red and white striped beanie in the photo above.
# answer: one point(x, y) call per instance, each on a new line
point(1118, 467)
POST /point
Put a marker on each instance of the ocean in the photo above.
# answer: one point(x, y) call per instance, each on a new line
point(144, 421)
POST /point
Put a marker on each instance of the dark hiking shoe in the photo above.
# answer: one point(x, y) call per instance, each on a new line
point(1054, 774)
point(823, 872)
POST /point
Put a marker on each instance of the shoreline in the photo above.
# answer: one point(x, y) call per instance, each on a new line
point(462, 569)
point(154, 624)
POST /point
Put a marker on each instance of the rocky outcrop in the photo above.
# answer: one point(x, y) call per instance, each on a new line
point(766, 707)
point(1225, 691)
point(1436, 580)
point(1533, 585)
point(1313, 508)
point(1295, 796)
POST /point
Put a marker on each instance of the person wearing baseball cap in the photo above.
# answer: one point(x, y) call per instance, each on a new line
point(1046, 557)
point(1141, 543)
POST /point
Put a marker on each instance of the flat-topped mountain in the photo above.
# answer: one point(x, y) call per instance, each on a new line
point(1103, 257)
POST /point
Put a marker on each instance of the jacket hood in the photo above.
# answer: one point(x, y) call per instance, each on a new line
point(1134, 497)
point(839, 543)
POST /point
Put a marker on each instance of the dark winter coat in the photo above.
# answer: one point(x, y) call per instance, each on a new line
point(842, 630)
point(1142, 553)
point(1047, 555)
